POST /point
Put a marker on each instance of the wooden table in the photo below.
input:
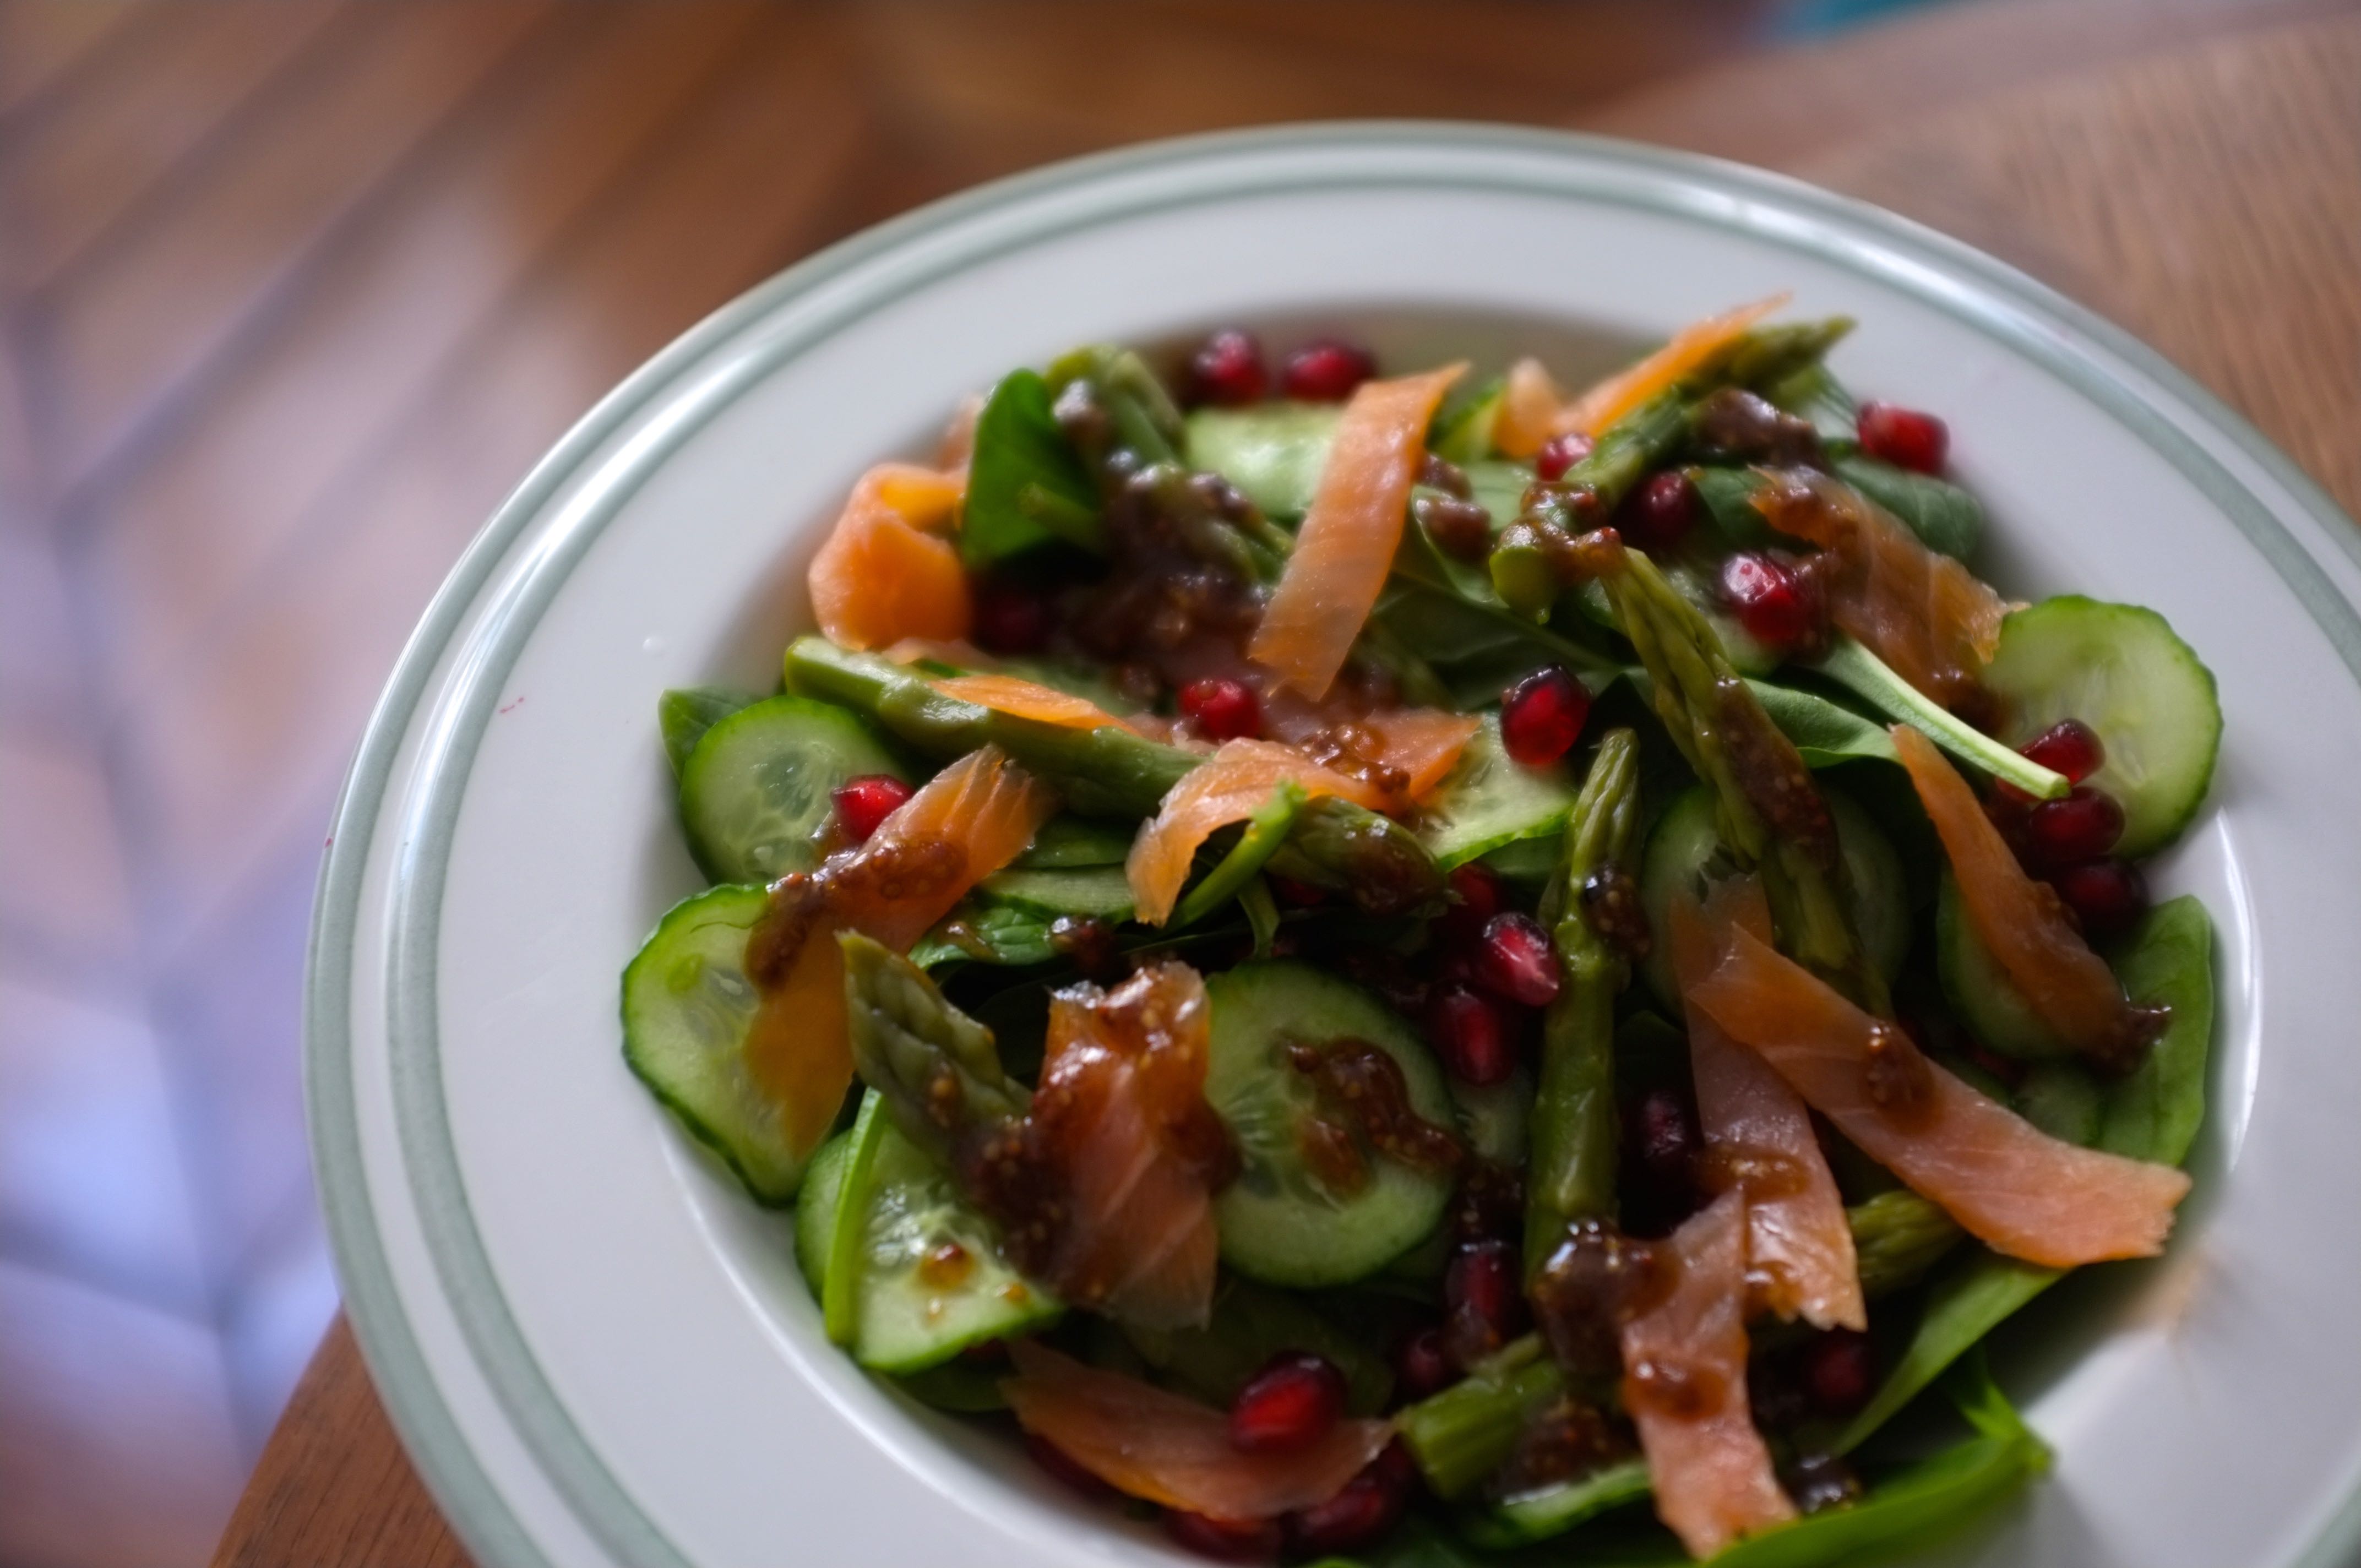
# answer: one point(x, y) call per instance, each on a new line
point(2208, 196)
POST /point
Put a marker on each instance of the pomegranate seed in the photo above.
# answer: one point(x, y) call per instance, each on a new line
point(1064, 1466)
point(1778, 607)
point(1369, 1504)
point(1326, 371)
point(2081, 826)
point(862, 803)
point(1665, 1141)
point(1560, 453)
point(2068, 747)
point(2108, 896)
point(1472, 1036)
point(1476, 896)
point(1225, 1540)
point(1399, 1467)
point(1227, 369)
point(1483, 1308)
point(1840, 1371)
point(1294, 893)
point(1903, 438)
point(1224, 710)
point(1289, 1404)
point(1542, 717)
point(1657, 515)
point(1009, 618)
point(1421, 1366)
point(1516, 961)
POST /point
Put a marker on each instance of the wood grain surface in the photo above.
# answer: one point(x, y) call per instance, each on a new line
point(2205, 193)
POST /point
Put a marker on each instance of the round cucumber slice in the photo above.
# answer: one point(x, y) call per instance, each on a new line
point(1279, 1222)
point(754, 793)
point(1994, 1011)
point(1490, 800)
point(1685, 840)
point(931, 1280)
point(686, 1007)
point(2120, 669)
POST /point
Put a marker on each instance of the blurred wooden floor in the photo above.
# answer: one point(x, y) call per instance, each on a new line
point(292, 291)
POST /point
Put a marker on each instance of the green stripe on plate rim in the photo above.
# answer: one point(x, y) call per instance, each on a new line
point(704, 370)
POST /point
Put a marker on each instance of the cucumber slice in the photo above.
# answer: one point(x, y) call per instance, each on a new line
point(914, 1275)
point(754, 793)
point(2120, 669)
point(1685, 840)
point(1251, 1324)
point(1462, 431)
point(1067, 843)
point(1279, 1222)
point(1273, 452)
point(1990, 1005)
point(816, 1209)
point(1525, 860)
point(1491, 800)
point(1100, 891)
point(685, 713)
point(686, 1006)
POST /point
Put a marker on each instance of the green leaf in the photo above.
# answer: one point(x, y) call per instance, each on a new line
point(1729, 496)
point(1967, 1302)
point(1266, 830)
point(1946, 519)
point(1025, 485)
point(1462, 431)
point(1252, 1323)
point(1863, 672)
point(2154, 1111)
point(1824, 733)
point(685, 713)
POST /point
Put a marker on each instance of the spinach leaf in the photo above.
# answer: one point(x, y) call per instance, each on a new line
point(1027, 485)
point(1728, 496)
point(2153, 1114)
point(1251, 1324)
point(1947, 519)
point(1824, 732)
point(685, 713)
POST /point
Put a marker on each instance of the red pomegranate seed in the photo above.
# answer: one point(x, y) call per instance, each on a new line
point(1477, 895)
point(2068, 747)
point(1560, 453)
point(1399, 1467)
point(1516, 961)
point(1840, 1371)
point(1224, 710)
point(1225, 1540)
point(1778, 605)
point(1542, 717)
point(1665, 1141)
point(1903, 438)
point(2081, 826)
point(1325, 371)
point(1472, 1034)
point(1289, 1404)
point(2108, 896)
point(863, 803)
point(1064, 1466)
point(1369, 1504)
point(1421, 1366)
point(1294, 893)
point(1010, 618)
point(1227, 369)
point(1483, 1308)
point(1657, 515)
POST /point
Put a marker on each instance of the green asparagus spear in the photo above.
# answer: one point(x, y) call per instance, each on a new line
point(1572, 1173)
point(1768, 811)
point(936, 1069)
point(1112, 771)
point(1897, 1236)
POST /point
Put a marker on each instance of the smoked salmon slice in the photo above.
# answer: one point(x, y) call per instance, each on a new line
point(1758, 1135)
point(886, 571)
point(1028, 699)
point(1147, 1442)
point(1696, 346)
point(2021, 922)
point(1108, 1187)
point(967, 822)
point(2015, 1187)
point(1421, 744)
point(1346, 547)
point(1685, 1387)
point(1529, 401)
point(1933, 621)
point(1228, 787)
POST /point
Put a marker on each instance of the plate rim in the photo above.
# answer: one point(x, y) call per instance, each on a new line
point(1987, 294)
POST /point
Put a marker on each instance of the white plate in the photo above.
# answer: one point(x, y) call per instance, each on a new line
point(597, 1352)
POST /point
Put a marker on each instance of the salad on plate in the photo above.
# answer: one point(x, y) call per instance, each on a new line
point(1410, 968)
